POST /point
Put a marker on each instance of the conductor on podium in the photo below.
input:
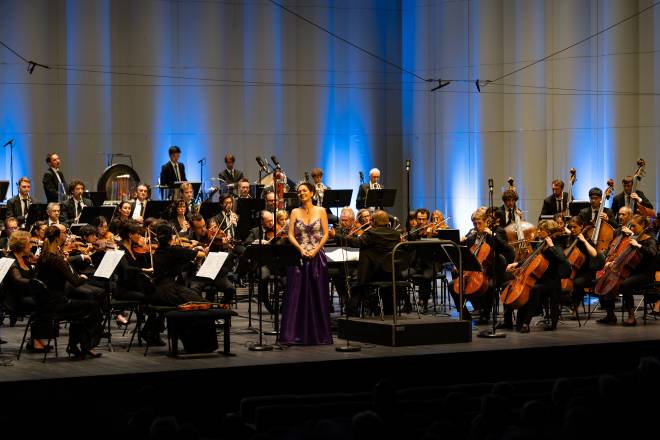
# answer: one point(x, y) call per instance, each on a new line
point(173, 171)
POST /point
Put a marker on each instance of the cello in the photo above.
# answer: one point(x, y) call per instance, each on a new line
point(601, 233)
point(624, 257)
point(576, 259)
point(476, 282)
point(520, 233)
point(516, 293)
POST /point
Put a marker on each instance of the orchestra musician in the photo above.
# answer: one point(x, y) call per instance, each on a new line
point(122, 214)
point(84, 314)
point(624, 197)
point(139, 204)
point(375, 244)
point(106, 238)
point(179, 216)
point(548, 286)
point(37, 235)
point(510, 198)
point(557, 202)
point(173, 171)
point(244, 189)
point(53, 211)
point(188, 195)
point(585, 275)
point(642, 274)
point(230, 175)
point(374, 176)
point(589, 214)
point(227, 218)
point(11, 226)
point(74, 205)
point(269, 196)
point(317, 176)
point(337, 272)
point(19, 205)
point(53, 180)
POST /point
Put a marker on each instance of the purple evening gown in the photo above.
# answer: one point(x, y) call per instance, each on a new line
point(306, 304)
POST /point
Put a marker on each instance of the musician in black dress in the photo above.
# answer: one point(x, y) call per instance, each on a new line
point(584, 277)
point(53, 180)
point(625, 197)
point(122, 214)
point(557, 202)
point(642, 274)
point(173, 171)
point(54, 270)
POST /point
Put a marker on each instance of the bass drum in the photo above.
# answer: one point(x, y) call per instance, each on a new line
point(118, 182)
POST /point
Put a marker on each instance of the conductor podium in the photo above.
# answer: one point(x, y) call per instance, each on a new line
point(398, 331)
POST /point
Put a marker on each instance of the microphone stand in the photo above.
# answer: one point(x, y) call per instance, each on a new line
point(11, 164)
point(408, 180)
point(201, 163)
point(492, 333)
point(348, 348)
point(260, 346)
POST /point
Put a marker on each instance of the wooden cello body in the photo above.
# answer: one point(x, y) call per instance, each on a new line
point(476, 282)
point(516, 293)
point(576, 259)
point(624, 258)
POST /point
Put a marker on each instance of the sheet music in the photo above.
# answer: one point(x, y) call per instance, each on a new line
point(108, 264)
point(5, 264)
point(343, 254)
point(212, 265)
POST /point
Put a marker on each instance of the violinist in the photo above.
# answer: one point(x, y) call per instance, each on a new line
point(267, 224)
point(589, 214)
point(438, 221)
point(122, 214)
point(254, 237)
point(363, 218)
point(338, 272)
point(548, 286)
point(585, 274)
point(557, 202)
point(53, 210)
point(106, 239)
point(627, 195)
point(642, 274)
point(54, 270)
point(411, 221)
point(346, 223)
point(421, 267)
point(37, 235)
point(11, 226)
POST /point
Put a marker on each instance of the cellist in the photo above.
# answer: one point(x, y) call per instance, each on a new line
point(642, 274)
point(549, 285)
point(585, 275)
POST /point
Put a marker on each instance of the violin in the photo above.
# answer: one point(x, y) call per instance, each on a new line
point(359, 230)
point(144, 248)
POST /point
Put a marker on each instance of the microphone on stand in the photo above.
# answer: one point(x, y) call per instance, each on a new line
point(275, 161)
point(262, 164)
point(407, 165)
point(491, 185)
point(11, 141)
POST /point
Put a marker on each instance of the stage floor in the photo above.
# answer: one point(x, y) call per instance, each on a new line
point(120, 362)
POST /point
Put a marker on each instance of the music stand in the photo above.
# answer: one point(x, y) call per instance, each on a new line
point(449, 234)
point(3, 212)
point(89, 213)
point(36, 212)
point(248, 213)
point(209, 209)
point(4, 187)
point(337, 198)
point(576, 206)
point(380, 198)
point(156, 208)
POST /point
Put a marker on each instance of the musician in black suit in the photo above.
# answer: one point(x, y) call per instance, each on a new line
point(557, 201)
point(139, 204)
point(19, 205)
point(173, 171)
point(230, 175)
point(376, 246)
point(509, 209)
point(73, 207)
point(374, 176)
point(53, 180)
point(589, 214)
point(627, 195)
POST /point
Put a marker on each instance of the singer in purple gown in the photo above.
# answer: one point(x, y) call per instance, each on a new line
point(306, 305)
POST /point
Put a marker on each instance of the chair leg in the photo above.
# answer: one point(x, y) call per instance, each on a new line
point(20, 349)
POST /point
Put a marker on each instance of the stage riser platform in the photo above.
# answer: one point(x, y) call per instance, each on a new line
point(405, 333)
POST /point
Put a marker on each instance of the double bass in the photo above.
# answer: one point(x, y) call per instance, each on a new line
point(601, 233)
point(476, 282)
point(520, 233)
point(569, 199)
point(634, 206)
